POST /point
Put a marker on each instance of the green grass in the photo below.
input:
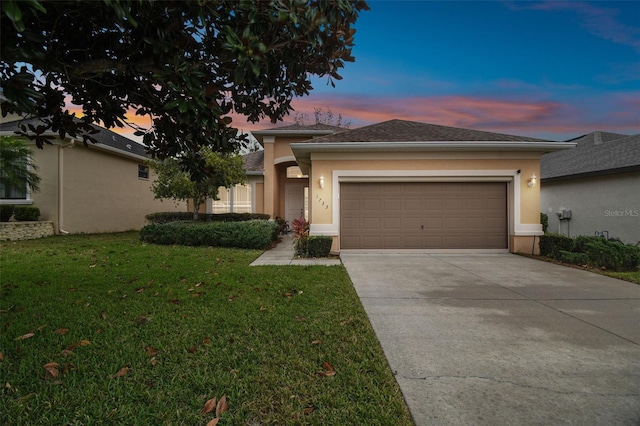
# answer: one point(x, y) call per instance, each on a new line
point(633, 277)
point(190, 324)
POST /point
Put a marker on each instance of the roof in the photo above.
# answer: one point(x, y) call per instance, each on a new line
point(253, 162)
point(310, 131)
point(110, 140)
point(412, 131)
point(595, 153)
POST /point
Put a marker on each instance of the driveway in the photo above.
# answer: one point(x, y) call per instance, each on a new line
point(495, 339)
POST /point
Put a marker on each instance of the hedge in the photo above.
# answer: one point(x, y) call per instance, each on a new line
point(166, 217)
point(26, 213)
point(6, 211)
point(252, 234)
point(319, 246)
point(594, 251)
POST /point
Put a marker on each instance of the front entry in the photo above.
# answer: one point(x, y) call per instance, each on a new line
point(294, 204)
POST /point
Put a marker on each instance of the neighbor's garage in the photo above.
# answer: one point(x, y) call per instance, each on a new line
point(429, 215)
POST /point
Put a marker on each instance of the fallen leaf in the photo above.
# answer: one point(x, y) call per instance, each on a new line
point(192, 350)
point(299, 318)
point(121, 373)
point(25, 336)
point(92, 266)
point(316, 342)
point(1, 356)
point(140, 290)
point(206, 340)
point(151, 350)
point(262, 308)
point(222, 406)
point(51, 369)
point(61, 331)
point(84, 343)
point(308, 410)
point(213, 422)
point(154, 361)
point(41, 327)
point(66, 352)
point(209, 406)
point(327, 366)
point(288, 295)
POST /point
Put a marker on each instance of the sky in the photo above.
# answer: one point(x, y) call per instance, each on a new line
point(548, 69)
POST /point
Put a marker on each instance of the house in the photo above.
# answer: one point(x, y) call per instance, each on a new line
point(404, 185)
point(594, 188)
point(104, 187)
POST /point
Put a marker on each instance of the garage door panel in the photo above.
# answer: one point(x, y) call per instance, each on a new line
point(423, 215)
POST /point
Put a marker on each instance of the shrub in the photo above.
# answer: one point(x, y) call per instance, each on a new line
point(167, 217)
point(6, 211)
point(319, 246)
point(300, 228)
point(574, 258)
point(551, 244)
point(26, 213)
point(252, 234)
point(544, 221)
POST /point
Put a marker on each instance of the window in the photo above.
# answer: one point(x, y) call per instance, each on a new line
point(12, 192)
point(234, 200)
point(143, 171)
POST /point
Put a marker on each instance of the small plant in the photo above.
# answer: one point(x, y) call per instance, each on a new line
point(283, 224)
point(544, 221)
point(300, 229)
point(6, 211)
point(26, 213)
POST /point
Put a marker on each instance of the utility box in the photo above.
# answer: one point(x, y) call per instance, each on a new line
point(564, 214)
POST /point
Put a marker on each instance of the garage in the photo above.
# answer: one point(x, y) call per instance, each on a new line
point(423, 215)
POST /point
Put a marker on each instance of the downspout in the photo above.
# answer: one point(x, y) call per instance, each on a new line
point(61, 186)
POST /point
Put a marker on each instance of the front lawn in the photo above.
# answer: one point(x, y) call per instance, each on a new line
point(104, 329)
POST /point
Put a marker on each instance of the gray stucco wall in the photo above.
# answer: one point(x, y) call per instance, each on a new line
point(603, 203)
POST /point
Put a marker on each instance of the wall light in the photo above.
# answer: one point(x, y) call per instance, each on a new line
point(532, 181)
point(321, 181)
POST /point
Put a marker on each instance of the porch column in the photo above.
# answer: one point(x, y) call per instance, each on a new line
point(269, 175)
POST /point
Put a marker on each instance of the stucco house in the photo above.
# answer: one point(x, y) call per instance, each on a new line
point(403, 185)
point(594, 188)
point(103, 187)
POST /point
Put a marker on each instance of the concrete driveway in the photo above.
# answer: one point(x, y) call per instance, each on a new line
point(495, 339)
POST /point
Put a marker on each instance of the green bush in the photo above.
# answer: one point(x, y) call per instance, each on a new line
point(6, 211)
point(552, 244)
point(544, 221)
point(574, 258)
point(26, 213)
point(319, 246)
point(252, 234)
point(166, 217)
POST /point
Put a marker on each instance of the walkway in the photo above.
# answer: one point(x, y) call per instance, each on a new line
point(282, 254)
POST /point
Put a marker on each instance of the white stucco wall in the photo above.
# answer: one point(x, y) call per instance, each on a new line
point(603, 203)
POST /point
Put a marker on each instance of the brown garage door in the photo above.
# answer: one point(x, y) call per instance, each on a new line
point(403, 215)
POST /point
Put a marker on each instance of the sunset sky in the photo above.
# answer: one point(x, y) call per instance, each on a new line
point(548, 69)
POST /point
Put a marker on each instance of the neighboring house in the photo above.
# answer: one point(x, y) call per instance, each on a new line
point(103, 187)
point(403, 185)
point(598, 181)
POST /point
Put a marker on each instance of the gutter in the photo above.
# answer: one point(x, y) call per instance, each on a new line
point(61, 186)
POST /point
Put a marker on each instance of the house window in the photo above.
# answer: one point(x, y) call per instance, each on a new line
point(143, 171)
point(12, 192)
point(236, 199)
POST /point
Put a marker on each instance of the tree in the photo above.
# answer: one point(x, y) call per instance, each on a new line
point(16, 164)
point(185, 64)
point(174, 182)
point(323, 117)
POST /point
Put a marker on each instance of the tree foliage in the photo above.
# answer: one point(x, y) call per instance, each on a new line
point(16, 164)
point(173, 182)
point(186, 64)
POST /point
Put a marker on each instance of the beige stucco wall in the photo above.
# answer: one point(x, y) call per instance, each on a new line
point(101, 192)
point(429, 165)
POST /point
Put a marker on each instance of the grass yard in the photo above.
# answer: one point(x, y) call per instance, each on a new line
point(103, 329)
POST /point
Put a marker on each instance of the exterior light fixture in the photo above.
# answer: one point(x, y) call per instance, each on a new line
point(321, 181)
point(532, 181)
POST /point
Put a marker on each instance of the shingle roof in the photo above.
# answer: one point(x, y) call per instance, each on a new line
point(104, 136)
point(595, 153)
point(411, 131)
point(253, 162)
point(317, 126)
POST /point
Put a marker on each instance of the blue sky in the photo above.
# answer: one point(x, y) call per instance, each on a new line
point(547, 69)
